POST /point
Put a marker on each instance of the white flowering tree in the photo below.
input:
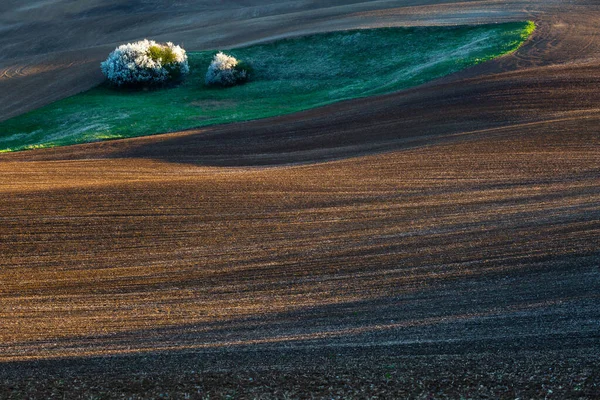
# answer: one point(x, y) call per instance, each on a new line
point(225, 70)
point(145, 63)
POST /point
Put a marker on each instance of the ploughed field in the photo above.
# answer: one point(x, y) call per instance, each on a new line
point(442, 240)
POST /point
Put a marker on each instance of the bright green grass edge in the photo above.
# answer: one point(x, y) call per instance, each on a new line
point(526, 34)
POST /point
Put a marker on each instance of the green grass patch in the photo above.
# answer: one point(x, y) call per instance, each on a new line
point(288, 76)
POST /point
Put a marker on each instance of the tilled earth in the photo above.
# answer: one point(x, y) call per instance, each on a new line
point(355, 375)
point(437, 242)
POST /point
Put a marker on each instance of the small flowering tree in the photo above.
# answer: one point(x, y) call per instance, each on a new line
point(145, 63)
point(226, 71)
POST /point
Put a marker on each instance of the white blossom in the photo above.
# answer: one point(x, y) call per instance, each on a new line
point(224, 71)
point(132, 64)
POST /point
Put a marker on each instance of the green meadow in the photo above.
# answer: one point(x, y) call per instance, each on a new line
point(289, 75)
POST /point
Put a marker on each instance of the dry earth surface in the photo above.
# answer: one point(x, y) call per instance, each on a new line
point(438, 242)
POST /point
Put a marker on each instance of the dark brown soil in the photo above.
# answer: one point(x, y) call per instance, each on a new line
point(441, 242)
